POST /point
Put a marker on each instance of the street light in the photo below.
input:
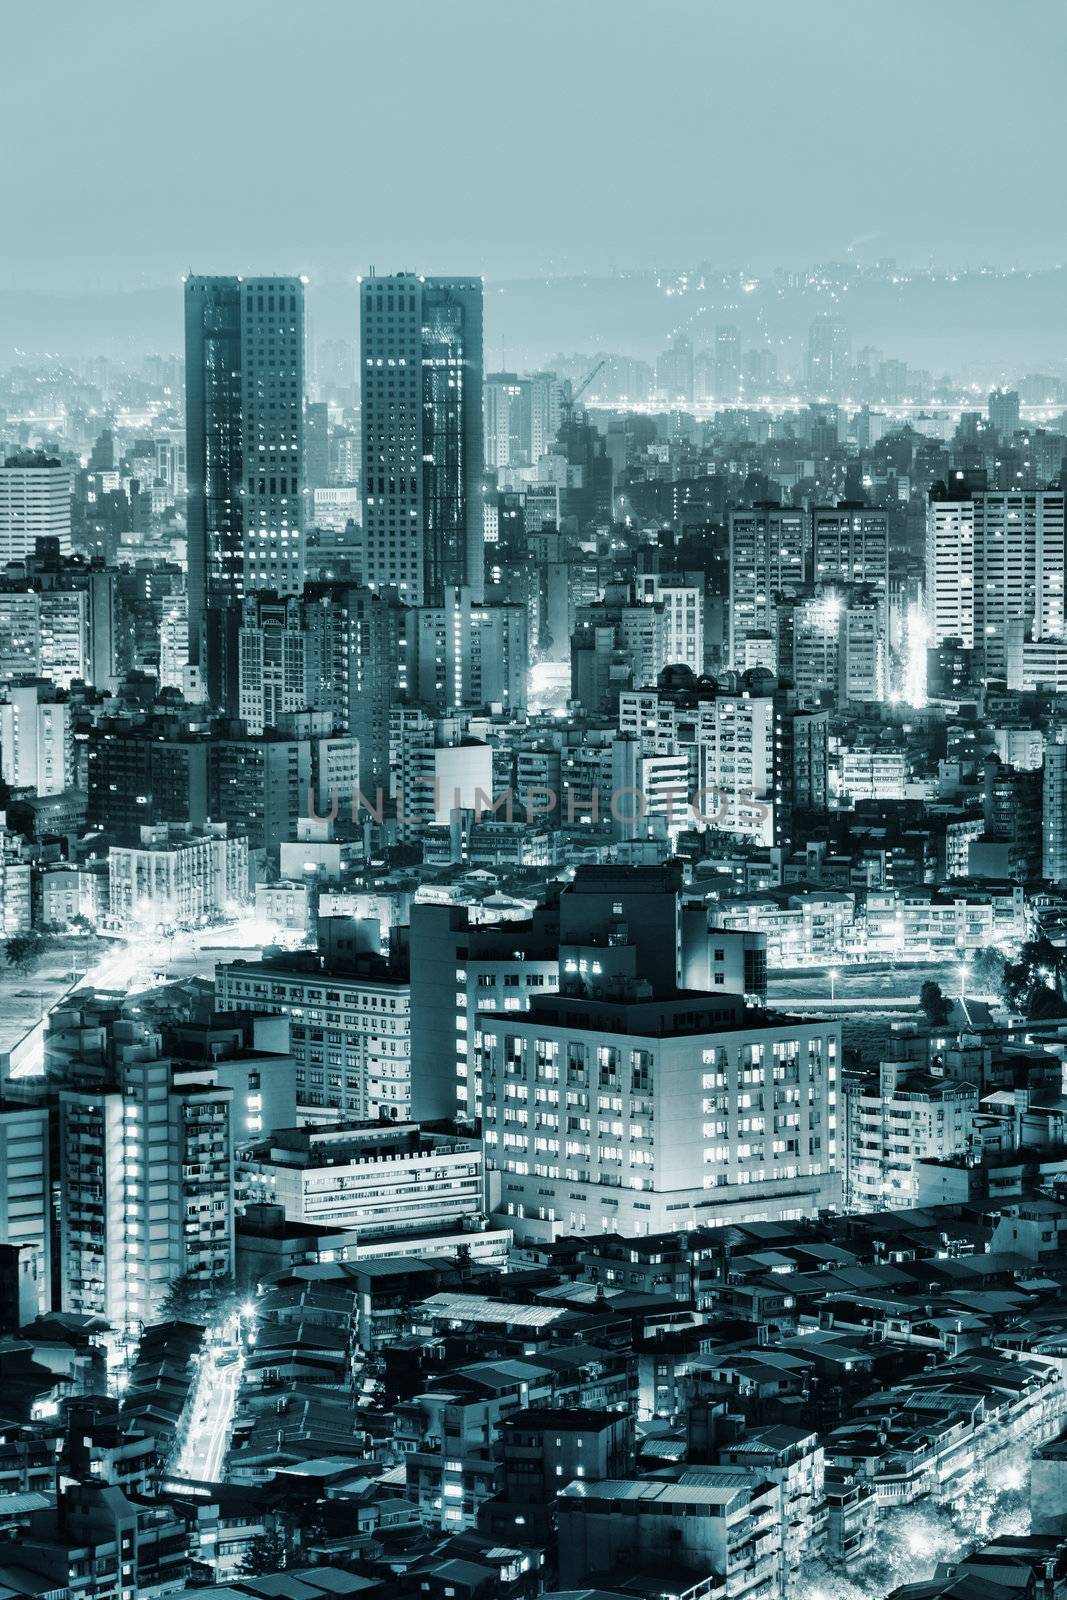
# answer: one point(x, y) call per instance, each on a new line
point(833, 980)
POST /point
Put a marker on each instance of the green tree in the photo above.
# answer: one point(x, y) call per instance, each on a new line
point(933, 1002)
point(266, 1553)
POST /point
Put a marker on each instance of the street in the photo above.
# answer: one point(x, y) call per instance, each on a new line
point(209, 1431)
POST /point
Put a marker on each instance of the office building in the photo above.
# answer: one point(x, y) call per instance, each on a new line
point(727, 370)
point(244, 377)
point(272, 678)
point(260, 785)
point(463, 654)
point(1004, 413)
point(1019, 573)
point(34, 504)
point(829, 355)
point(506, 420)
point(140, 773)
point(423, 455)
point(950, 574)
point(460, 969)
point(995, 576)
point(768, 558)
point(851, 546)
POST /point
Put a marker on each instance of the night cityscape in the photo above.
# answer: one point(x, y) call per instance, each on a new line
point(533, 802)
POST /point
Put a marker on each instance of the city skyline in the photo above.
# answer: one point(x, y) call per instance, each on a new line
point(533, 802)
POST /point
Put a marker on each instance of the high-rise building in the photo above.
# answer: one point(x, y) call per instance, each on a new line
point(145, 1165)
point(271, 672)
point(727, 362)
point(360, 1068)
point(1004, 413)
point(950, 571)
point(1020, 570)
point(316, 446)
point(851, 545)
point(768, 557)
point(423, 456)
point(460, 969)
point(34, 504)
point(506, 420)
point(25, 1218)
point(355, 667)
point(36, 740)
point(260, 784)
point(244, 377)
point(546, 402)
point(1054, 814)
point(461, 654)
point(674, 370)
point(829, 354)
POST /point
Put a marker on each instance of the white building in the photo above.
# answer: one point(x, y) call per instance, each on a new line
point(122, 1239)
point(641, 1116)
point(950, 571)
point(34, 504)
point(372, 1179)
point(995, 574)
point(350, 1030)
point(893, 1120)
point(176, 878)
point(36, 740)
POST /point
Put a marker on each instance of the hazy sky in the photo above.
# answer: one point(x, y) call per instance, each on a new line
point(142, 139)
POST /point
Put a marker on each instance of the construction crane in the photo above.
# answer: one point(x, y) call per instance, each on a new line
point(569, 404)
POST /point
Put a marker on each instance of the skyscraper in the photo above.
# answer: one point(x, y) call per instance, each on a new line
point(996, 572)
point(423, 457)
point(244, 376)
point(546, 399)
point(950, 570)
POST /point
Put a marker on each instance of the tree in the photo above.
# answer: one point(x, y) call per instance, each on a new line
point(22, 949)
point(266, 1553)
point(208, 1301)
point(987, 970)
point(1033, 983)
point(932, 1000)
